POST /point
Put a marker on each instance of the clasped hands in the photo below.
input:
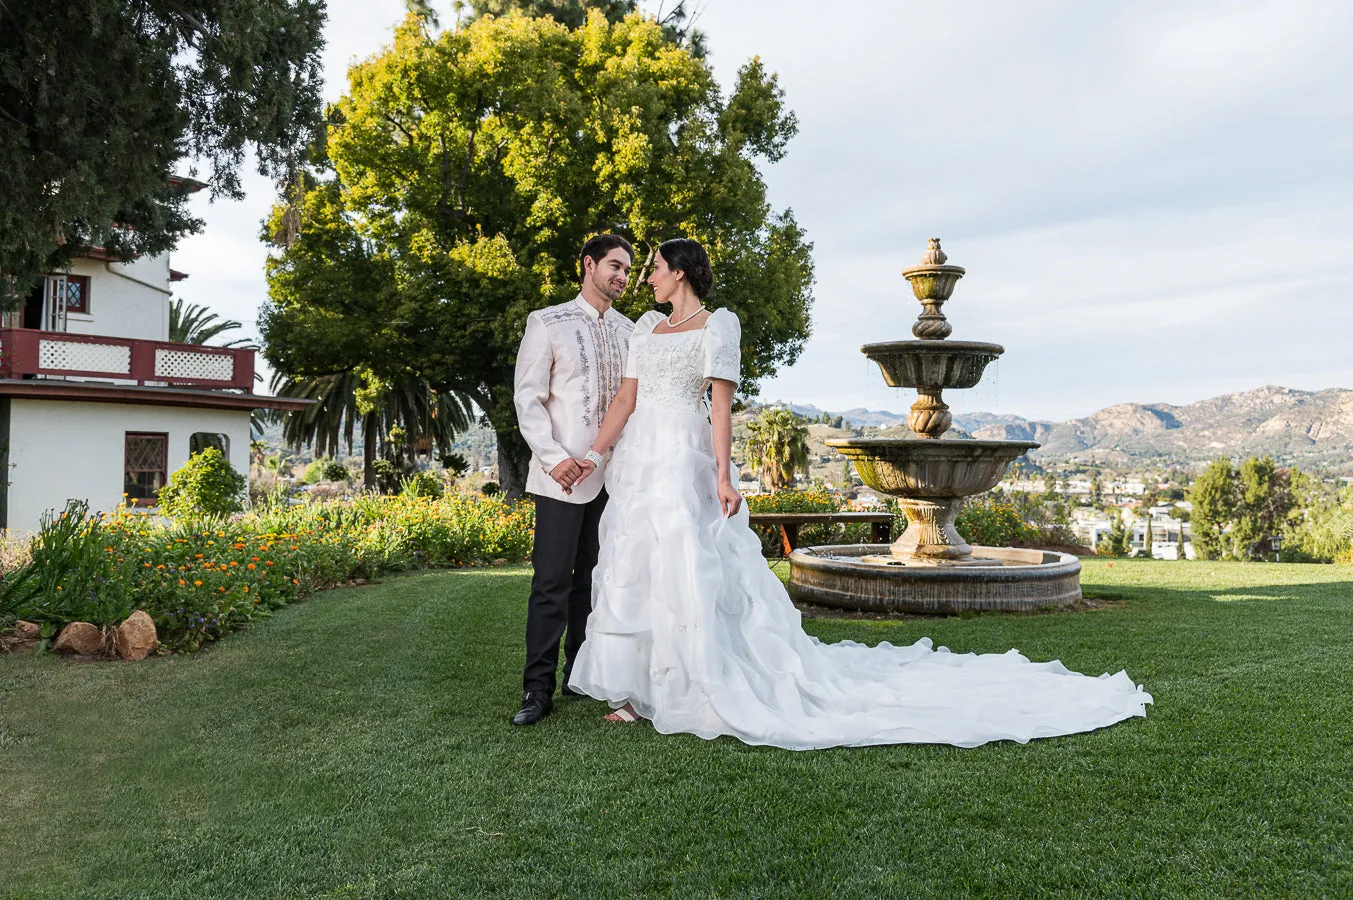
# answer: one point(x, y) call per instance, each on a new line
point(571, 471)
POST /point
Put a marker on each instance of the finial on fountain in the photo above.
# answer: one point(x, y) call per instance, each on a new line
point(934, 256)
point(932, 282)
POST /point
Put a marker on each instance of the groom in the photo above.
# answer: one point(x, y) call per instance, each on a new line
point(569, 366)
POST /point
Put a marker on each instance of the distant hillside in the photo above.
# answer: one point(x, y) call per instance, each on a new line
point(1313, 429)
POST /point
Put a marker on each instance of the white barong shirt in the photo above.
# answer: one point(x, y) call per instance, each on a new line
point(569, 366)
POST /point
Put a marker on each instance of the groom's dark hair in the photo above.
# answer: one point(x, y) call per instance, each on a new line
point(597, 248)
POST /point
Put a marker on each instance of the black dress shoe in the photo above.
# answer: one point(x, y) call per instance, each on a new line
point(535, 706)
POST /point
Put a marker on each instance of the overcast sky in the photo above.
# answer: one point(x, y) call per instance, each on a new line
point(1154, 201)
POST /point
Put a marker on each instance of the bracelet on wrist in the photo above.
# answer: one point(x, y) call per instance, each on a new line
point(594, 458)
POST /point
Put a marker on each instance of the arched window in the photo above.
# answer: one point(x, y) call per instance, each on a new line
point(201, 440)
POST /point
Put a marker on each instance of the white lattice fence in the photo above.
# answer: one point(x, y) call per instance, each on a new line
point(171, 364)
point(82, 357)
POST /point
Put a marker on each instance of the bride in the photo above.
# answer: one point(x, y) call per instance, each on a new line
point(691, 630)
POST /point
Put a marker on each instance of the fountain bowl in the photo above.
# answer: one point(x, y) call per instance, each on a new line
point(1015, 580)
point(921, 468)
point(932, 364)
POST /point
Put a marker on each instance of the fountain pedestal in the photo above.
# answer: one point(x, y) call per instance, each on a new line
point(930, 567)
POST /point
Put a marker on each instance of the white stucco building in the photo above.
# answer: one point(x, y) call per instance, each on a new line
point(95, 402)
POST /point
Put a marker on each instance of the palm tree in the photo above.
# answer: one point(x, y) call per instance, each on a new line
point(193, 324)
point(351, 400)
point(777, 442)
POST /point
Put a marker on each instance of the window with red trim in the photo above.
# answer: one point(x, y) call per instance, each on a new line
point(147, 458)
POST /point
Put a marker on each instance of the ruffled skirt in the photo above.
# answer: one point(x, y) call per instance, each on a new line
point(690, 626)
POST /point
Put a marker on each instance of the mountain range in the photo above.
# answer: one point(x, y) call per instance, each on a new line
point(1311, 429)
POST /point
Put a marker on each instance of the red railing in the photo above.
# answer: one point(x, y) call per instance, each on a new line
point(28, 351)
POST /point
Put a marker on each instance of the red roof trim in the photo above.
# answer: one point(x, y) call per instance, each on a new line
point(95, 392)
point(186, 184)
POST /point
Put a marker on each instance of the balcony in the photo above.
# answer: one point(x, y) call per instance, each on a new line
point(28, 352)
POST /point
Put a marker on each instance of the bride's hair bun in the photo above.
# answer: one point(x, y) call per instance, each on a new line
point(686, 255)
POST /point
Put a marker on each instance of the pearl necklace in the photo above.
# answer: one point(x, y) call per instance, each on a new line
point(698, 311)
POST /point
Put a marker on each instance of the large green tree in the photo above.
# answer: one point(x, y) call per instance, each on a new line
point(1215, 500)
point(463, 171)
point(1236, 511)
point(101, 100)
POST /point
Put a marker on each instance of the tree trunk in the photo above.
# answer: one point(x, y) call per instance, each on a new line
point(369, 452)
point(514, 460)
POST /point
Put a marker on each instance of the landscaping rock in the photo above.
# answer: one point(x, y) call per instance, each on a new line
point(23, 636)
point(79, 637)
point(136, 637)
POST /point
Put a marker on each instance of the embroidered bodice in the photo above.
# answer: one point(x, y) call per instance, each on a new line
point(674, 368)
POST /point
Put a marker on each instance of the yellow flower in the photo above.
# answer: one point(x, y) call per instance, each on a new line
point(197, 584)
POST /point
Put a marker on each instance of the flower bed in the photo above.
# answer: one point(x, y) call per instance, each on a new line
point(201, 580)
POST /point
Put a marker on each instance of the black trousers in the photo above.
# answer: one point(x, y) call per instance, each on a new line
point(564, 555)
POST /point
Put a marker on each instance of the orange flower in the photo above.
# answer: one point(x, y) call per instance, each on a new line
point(268, 563)
point(182, 582)
point(233, 564)
point(294, 581)
point(252, 566)
point(197, 584)
point(197, 556)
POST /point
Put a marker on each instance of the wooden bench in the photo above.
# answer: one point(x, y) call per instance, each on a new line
point(790, 522)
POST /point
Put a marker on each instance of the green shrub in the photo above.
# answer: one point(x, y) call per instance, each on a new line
point(206, 485)
point(812, 500)
point(423, 484)
point(326, 468)
point(992, 522)
point(490, 489)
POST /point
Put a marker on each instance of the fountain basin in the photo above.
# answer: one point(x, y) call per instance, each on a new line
point(1016, 581)
point(931, 282)
point(932, 364)
point(931, 469)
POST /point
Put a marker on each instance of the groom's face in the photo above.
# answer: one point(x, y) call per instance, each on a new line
point(611, 274)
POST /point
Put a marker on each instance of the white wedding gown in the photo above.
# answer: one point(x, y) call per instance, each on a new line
point(690, 626)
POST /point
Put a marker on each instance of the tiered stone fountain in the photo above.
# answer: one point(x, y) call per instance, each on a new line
point(930, 568)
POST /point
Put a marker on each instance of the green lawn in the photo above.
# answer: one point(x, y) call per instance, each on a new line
point(359, 745)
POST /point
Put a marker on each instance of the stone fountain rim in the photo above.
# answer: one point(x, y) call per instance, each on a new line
point(829, 557)
point(937, 345)
point(925, 269)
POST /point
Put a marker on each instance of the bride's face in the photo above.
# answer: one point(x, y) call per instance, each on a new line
point(665, 281)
